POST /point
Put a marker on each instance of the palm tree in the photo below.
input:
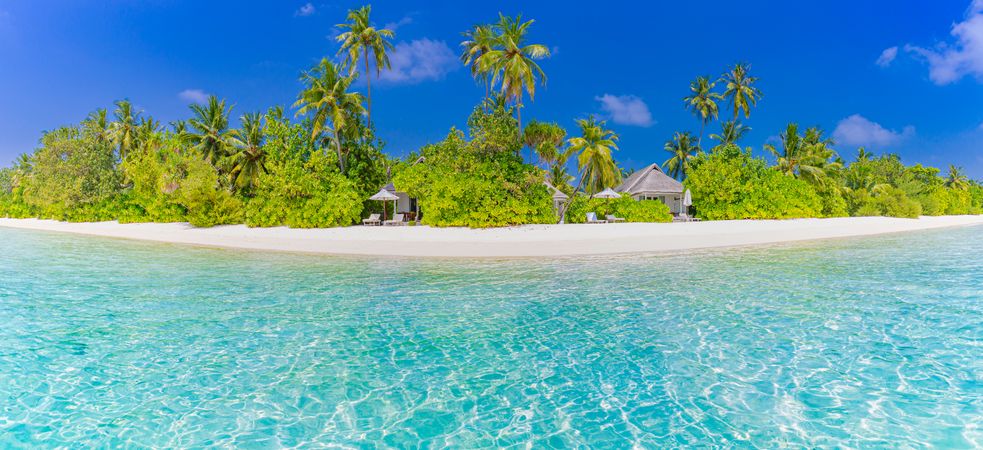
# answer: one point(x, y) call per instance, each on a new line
point(98, 126)
point(863, 154)
point(23, 166)
point(731, 132)
point(545, 139)
point(598, 170)
point(211, 135)
point(326, 97)
point(123, 130)
point(740, 89)
point(148, 133)
point(702, 101)
point(361, 39)
point(478, 41)
point(808, 157)
point(956, 178)
point(179, 127)
point(557, 174)
point(682, 150)
point(513, 61)
point(249, 161)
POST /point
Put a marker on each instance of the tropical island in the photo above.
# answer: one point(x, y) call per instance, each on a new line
point(320, 164)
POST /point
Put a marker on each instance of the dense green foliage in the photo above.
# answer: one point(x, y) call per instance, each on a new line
point(271, 174)
point(624, 207)
point(303, 187)
point(480, 182)
point(321, 170)
point(809, 178)
point(729, 183)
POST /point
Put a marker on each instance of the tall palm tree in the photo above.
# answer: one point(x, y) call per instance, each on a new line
point(545, 139)
point(327, 99)
point(598, 170)
point(956, 178)
point(478, 41)
point(123, 130)
point(361, 39)
point(512, 61)
point(210, 133)
point(702, 102)
point(249, 161)
point(682, 150)
point(740, 89)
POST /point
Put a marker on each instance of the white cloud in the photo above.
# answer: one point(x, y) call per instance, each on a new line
point(950, 62)
point(406, 20)
point(306, 10)
point(887, 56)
point(419, 60)
point(193, 96)
point(626, 110)
point(857, 130)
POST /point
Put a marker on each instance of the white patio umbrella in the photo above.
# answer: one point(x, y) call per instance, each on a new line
point(385, 196)
point(607, 193)
point(687, 201)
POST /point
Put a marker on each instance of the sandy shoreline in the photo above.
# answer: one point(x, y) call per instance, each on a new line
point(522, 241)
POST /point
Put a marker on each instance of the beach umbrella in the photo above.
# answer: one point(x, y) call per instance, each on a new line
point(385, 196)
point(687, 201)
point(607, 193)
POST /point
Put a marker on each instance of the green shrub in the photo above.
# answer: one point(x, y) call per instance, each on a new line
point(304, 194)
point(624, 207)
point(729, 183)
point(894, 203)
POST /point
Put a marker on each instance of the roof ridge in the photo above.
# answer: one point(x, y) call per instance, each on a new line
point(640, 176)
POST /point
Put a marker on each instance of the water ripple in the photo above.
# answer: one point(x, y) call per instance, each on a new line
point(851, 343)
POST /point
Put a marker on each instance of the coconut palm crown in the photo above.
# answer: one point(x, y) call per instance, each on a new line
point(362, 42)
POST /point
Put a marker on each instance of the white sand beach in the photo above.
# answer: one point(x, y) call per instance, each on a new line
point(520, 241)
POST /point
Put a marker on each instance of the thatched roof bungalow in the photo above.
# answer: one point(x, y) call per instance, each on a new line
point(651, 183)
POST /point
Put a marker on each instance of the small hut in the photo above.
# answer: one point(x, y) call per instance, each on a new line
point(559, 198)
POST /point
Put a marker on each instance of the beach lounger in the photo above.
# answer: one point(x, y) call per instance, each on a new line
point(372, 220)
point(612, 219)
point(592, 218)
point(396, 220)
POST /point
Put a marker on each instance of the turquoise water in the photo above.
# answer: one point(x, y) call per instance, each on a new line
point(848, 343)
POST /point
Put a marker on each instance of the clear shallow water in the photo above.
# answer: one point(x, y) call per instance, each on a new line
point(850, 343)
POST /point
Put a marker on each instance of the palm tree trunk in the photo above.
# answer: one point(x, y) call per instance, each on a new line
point(341, 156)
point(699, 143)
point(518, 112)
point(368, 86)
point(566, 206)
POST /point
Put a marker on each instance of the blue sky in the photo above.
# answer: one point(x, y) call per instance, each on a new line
point(899, 76)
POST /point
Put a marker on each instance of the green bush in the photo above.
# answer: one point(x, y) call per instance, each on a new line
point(477, 183)
point(625, 207)
point(729, 183)
point(304, 194)
point(894, 202)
